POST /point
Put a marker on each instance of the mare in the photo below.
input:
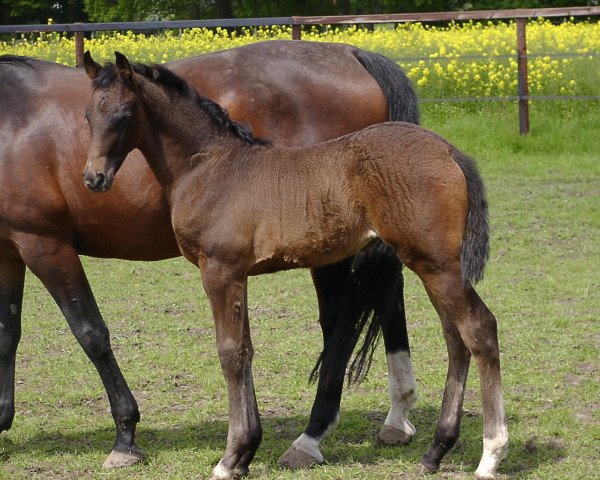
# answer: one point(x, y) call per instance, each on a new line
point(243, 207)
point(294, 93)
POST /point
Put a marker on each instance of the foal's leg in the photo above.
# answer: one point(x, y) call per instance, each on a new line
point(12, 279)
point(58, 266)
point(464, 314)
point(227, 292)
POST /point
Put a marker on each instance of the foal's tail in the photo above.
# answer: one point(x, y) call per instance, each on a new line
point(403, 103)
point(476, 241)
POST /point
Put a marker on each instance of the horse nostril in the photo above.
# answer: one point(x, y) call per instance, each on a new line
point(100, 179)
point(95, 181)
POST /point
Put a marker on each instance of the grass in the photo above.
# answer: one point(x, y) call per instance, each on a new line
point(541, 282)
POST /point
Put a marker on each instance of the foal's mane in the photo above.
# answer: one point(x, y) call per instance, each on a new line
point(174, 83)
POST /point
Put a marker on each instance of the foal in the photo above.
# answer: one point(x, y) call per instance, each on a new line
point(240, 207)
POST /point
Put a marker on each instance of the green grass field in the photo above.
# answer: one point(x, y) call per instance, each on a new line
point(542, 283)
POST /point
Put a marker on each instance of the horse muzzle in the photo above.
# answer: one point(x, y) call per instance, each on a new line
point(97, 180)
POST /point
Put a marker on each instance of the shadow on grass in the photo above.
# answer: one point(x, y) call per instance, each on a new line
point(352, 442)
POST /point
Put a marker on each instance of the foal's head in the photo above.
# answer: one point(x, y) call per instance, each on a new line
point(115, 117)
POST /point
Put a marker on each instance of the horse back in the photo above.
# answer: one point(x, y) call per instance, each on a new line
point(278, 85)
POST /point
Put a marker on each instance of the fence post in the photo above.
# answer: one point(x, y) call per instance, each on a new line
point(296, 32)
point(79, 49)
point(522, 75)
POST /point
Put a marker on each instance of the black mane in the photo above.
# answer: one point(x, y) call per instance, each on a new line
point(174, 83)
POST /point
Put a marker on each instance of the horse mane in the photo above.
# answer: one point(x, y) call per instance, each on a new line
point(174, 83)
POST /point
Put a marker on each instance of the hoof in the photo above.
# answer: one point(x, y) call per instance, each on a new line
point(222, 473)
point(393, 436)
point(295, 458)
point(118, 459)
point(423, 469)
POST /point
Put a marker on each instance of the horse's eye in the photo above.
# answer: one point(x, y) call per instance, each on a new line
point(121, 119)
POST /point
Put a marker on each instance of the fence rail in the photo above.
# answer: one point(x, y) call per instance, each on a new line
point(296, 22)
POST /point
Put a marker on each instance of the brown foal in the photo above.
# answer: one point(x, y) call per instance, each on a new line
point(241, 207)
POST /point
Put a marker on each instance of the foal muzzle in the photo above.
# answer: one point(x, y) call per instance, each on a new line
point(97, 180)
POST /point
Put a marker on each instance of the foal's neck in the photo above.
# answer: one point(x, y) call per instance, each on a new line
point(181, 136)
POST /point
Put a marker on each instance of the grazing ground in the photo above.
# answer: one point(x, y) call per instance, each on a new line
point(542, 283)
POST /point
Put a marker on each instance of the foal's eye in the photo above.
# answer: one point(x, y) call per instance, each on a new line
point(121, 119)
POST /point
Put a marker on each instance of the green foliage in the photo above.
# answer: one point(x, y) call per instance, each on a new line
point(66, 11)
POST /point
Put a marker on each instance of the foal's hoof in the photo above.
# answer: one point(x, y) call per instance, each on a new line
point(118, 459)
point(393, 436)
point(295, 457)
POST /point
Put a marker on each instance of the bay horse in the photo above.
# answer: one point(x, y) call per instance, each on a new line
point(294, 93)
point(240, 206)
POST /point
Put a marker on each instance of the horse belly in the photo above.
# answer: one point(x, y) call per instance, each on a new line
point(313, 248)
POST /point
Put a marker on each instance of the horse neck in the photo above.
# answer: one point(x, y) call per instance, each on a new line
point(180, 137)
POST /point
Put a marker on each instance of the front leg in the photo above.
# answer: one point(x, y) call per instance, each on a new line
point(226, 288)
point(57, 265)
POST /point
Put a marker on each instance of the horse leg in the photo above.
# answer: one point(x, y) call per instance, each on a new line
point(378, 278)
point(448, 425)
point(332, 284)
point(371, 283)
point(468, 324)
point(227, 292)
point(397, 428)
point(58, 267)
point(12, 279)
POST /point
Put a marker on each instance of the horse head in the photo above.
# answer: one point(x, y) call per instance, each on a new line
point(112, 115)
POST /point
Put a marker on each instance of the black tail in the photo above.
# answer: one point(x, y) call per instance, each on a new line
point(476, 242)
point(374, 295)
point(403, 104)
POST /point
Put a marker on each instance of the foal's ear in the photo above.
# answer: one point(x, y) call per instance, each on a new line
point(124, 67)
point(91, 67)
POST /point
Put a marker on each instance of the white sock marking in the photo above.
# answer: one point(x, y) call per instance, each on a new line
point(403, 391)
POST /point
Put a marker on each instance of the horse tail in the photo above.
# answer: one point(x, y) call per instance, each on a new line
point(373, 296)
point(476, 241)
point(403, 104)
point(373, 282)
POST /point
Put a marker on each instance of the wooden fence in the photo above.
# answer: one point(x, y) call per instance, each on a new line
point(520, 16)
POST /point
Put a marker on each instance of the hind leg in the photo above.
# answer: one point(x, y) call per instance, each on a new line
point(12, 278)
point(58, 266)
point(468, 327)
point(332, 284)
point(378, 278)
point(397, 428)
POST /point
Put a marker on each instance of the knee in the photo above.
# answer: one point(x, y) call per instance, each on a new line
point(234, 357)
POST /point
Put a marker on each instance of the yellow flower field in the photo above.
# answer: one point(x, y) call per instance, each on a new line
point(459, 60)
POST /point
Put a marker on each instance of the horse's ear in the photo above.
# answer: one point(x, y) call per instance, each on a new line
point(124, 67)
point(91, 67)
